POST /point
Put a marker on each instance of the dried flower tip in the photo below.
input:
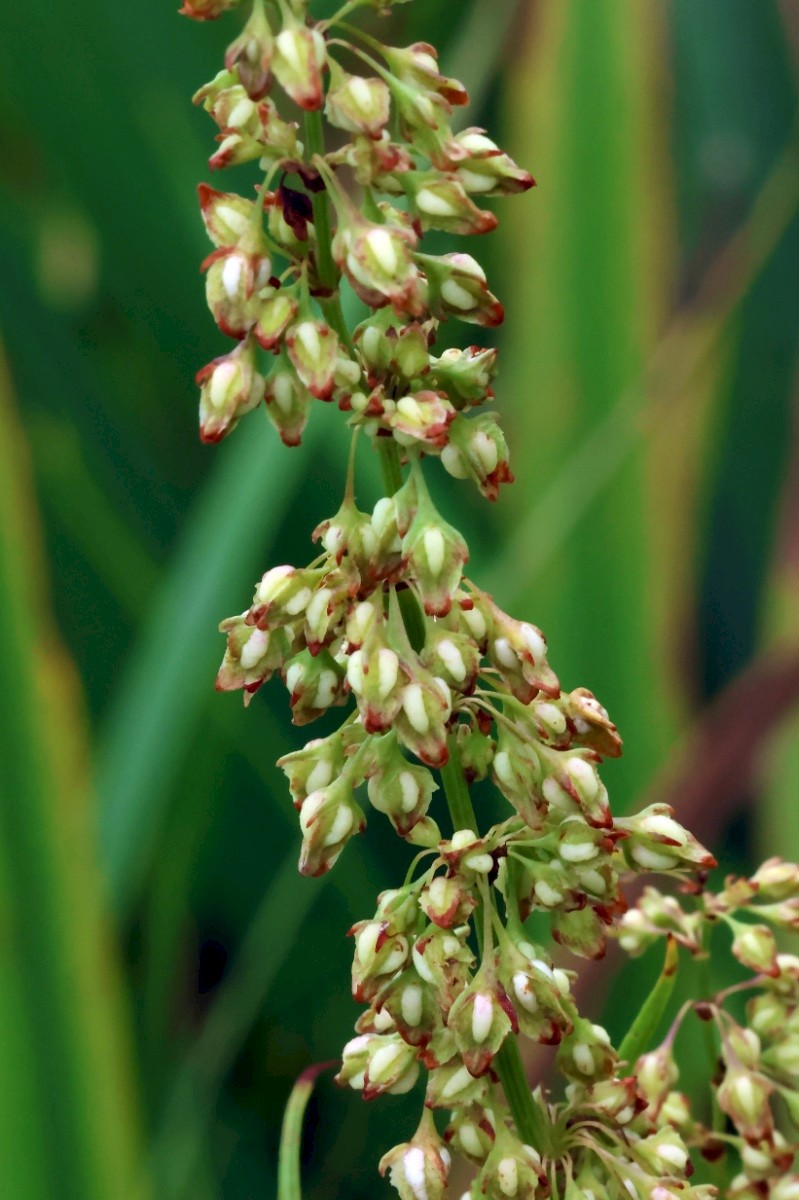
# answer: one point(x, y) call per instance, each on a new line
point(206, 10)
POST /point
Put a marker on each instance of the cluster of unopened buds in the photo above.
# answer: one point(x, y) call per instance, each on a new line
point(438, 683)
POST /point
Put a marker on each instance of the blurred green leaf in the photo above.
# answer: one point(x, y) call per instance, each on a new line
point(74, 1019)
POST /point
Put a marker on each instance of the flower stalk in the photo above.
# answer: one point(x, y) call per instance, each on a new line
point(441, 688)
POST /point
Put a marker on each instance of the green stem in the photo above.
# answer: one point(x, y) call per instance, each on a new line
point(527, 1115)
point(709, 1030)
point(643, 1028)
point(289, 1184)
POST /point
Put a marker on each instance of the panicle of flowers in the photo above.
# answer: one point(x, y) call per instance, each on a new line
point(440, 688)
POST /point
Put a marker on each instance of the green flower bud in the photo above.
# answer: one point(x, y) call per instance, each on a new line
point(283, 595)
point(776, 880)
point(657, 1074)
point(755, 947)
point(447, 901)
point(275, 313)
point(357, 104)
point(465, 375)
point(472, 1132)
point(483, 169)
point(236, 277)
point(381, 951)
point(657, 842)
point(744, 1096)
point(299, 58)
point(230, 387)
point(434, 554)
point(665, 1153)
point(422, 418)
point(476, 749)
point(423, 716)
point(581, 931)
point(419, 1169)
point(441, 202)
point(586, 1054)
point(320, 761)
point(413, 1007)
point(519, 651)
point(377, 1064)
point(477, 449)
point(315, 683)
point(251, 54)
point(399, 789)
point(329, 817)
point(458, 287)
point(252, 655)
point(287, 401)
point(225, 215)
point(453, 1086)
point(481, 1018)
point(512, 1171)
point(443, 959)
point(377, 679)
point(313, 349)
point(535, 991)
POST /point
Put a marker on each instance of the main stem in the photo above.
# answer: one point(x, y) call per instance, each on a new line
point(530, 1123)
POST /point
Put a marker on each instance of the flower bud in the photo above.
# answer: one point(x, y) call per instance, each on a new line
point(592, 727)
point(315, 683)
point(230, 387)
point(483, 169)
point(477, 449)
point(329, 817)
point(357, 104)
point(419, 1169)
point(434, 554)
point(767, 1015)
point(377, 1064)
point(476, 750)
point(665, 1153)
point(423, 417)
point(581, 931)
point(744, 1096)
point(236, 276)
point(576, 775)
point(313, 349)
point(225, 215)
point(453, 657)
point(275, 313)
point(777, 880)
point(251, 53)
point(658, 842)
point(617, 1099)
point(442, 959)
point(422, 719)
point(472, 1132)
point(586, 1053)
point(755, 947)
point(458, 287)
point(417, 65)
point(377, 260)
point(481, 1018)
point(287, 402)
point(320, 761)
point(657, 1074)
point(377, 678)
point(380, 952)
point(533, 988)
point(251, 656)
point(518, 774)
point(512, 1171)
point(446, 901)
point(441, 202)
point(519, 651)
point(452, 1086)
point(298, 60)
point(400, 789)
point(282, 596)
point(465, 375)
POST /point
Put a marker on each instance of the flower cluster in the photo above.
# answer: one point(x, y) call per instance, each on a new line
point(440, 687)
point(756, 1080)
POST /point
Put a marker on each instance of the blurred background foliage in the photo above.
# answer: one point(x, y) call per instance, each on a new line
point(164, 973)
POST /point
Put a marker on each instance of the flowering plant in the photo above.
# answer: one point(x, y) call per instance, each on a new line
point(440, 687)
